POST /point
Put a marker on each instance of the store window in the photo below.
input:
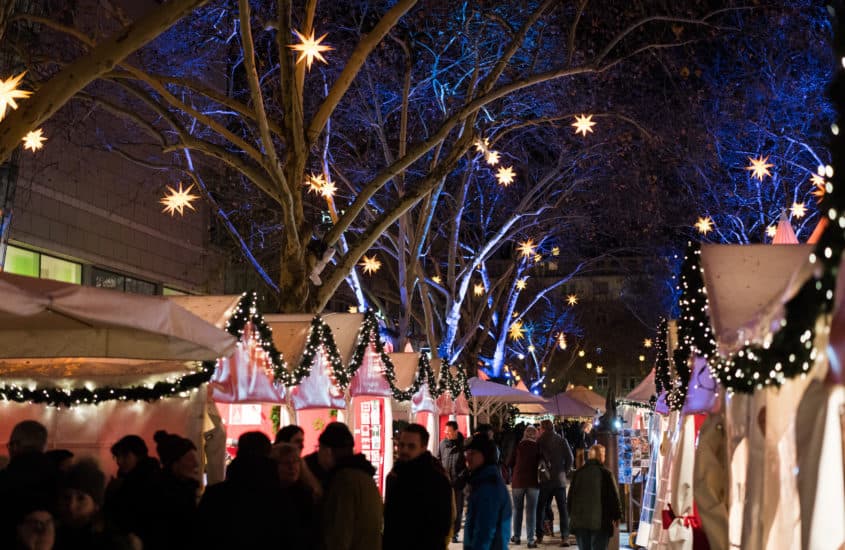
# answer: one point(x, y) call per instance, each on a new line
point(21, 261)
point(102, 278)
point(167, 291)
point(601, 382)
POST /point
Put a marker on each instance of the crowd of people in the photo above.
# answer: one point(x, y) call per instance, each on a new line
point(273, 497)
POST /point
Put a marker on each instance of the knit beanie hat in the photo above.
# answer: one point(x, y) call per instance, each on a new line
point(171, 447)
point(337, 436)
point(85, 476)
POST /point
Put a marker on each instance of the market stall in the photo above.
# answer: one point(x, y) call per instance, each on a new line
point(452, 403)
point(418, 402)
point(71, 358)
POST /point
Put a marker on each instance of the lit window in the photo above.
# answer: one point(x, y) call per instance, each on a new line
point(61, 270)
point(22, 262)
point(167, 291)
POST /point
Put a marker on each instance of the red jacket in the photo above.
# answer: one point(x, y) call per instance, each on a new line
point(524, 463)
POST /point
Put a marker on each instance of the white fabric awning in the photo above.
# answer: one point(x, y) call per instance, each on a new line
point(644, 390)
point(40, 318)
point(499, 393)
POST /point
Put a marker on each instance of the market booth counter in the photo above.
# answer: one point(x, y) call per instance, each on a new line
point(71, 358)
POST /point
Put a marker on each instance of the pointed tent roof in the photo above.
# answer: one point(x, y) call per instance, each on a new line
point(492, 391)
point(564, 404)
point(587, 396)
point(784, 234)
point(644, 390)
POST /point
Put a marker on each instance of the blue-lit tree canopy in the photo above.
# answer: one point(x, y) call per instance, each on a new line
point(392, 149)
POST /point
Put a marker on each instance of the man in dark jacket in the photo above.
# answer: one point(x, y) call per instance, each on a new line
point(130, 500)
point(417, 482)
point(594, 519)
point(451, 455)
point(29, 473)
point(488, 525)
point(556, 452)
point(351, 510)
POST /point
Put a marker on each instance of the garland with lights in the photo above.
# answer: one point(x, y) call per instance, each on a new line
point(368, 336)
point(320, 336)
point(662, 372)
point(636, 404)
point(455, 385)
point(694, 334)
point(247, 312)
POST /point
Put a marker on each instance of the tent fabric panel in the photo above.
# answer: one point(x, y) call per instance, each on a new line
point(645, 390)
point(345, 328)
point(215, 309)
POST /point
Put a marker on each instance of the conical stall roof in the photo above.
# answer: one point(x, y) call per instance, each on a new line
point(588, 397)
point(645, 390)
point(747, 286)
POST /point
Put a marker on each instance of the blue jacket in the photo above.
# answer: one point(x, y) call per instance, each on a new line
point(488, 521)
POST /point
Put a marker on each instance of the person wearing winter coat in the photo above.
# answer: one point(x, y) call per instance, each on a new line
point(488, 521)
point(524, 486)
point(592, 519)
point(129, 501)
point(350, 515)
point(176, 490)
point(417, 482)
point(451, 456)
point(556, 452)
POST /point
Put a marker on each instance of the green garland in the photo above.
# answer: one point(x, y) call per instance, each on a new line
point(320, 336)
point(244, 312)
point(369, 335)
point(247, 312)
point(455, 385)
point(662, 371)
point(636, 404)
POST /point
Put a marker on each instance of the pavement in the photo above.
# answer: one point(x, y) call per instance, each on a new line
point(548, 542)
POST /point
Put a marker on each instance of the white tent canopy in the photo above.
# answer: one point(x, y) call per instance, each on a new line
point(561, 404)
point(40, 318)
point(644, 391)
point(488, 397)
point(587, 396)
point(748, 285)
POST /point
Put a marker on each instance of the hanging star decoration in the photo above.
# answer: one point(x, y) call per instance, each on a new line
point(481, 145)
point(820, 187)
point(34, 140)
point(436, 279)
point(583, 124)
point(771, 231)
point(177, 200)
point(759, 167)
point(505, 175)
point(531, 348)
point(647, 343)
point(526, 248)
point(572, 299)
point(798, 209)
point(9, 92)
point(561, 340)
point(520, 284)
point(370, 264)
point(556, 251)
point(478, 289)
point(328, 189)
point(516, 332)
point(704, 225)
point(315, 183)
point(492, 157)
point(310, 49)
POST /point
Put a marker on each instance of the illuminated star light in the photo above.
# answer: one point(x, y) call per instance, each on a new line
point(505, 175)
point(647, 343)
point(760, 167)
point(492, 158)
point(561, 341)
point(583, 124)
point(820, 187)
point(310, 49)
point(520, 284)
point(315, 183)
point(328, 189)
point(436, 279)
point(526, 248)
point(798, 209)
point(704, 225)
point(478, 289)
point(370, 264)
point(516, 331)
point(177, 200)
point(34, 140)
point(9, 93)
point(572, 299)
point(771, 231)
point(481, 145)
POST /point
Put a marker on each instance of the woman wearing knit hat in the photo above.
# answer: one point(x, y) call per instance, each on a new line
point(175, 513)
point(80, 503)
